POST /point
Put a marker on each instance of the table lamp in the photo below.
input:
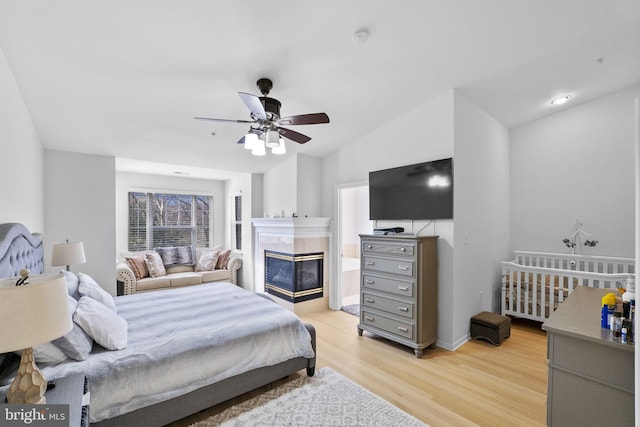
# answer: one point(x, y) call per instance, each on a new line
point(34, 313)
point(67, 253)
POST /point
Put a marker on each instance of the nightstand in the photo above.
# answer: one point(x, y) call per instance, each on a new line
point(72, 390)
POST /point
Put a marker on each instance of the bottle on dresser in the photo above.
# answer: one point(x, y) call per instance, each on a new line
point(629, 307)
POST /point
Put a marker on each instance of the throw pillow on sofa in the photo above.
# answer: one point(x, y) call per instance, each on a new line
point(176, 255)
point(155, 265)
point(208, 260)
point(138, 265)
point(223, 259)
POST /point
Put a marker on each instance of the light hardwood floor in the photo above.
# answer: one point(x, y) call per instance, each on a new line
point(477, 385)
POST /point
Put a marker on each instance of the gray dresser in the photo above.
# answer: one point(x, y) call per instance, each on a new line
point(590, 373)
point(398, 289)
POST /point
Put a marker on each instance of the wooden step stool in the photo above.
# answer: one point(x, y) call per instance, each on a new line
point(491, 326)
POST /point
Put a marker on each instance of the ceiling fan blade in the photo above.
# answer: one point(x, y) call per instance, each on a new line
point(224, 120)
point(293, 135)
point(304, 119)
point(241, 140)
point(254, 104)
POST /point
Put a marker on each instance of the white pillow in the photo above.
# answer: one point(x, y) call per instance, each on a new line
point(48, 353)
point(72, 283)
point(76, 344)
point(102, 324)
point(89, 288)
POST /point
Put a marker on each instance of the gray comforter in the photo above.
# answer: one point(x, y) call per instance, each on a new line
point(183, 339)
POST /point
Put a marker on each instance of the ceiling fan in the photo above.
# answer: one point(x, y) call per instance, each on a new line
point(265, 117)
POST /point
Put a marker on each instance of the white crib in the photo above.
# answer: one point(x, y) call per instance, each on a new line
point(535, 283)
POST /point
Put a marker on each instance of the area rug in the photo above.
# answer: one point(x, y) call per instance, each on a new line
point(326, 399)
point(351, 309)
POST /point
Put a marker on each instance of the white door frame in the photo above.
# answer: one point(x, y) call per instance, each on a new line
point(335, 287)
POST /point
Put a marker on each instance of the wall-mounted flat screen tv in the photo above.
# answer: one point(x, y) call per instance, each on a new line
point(420, 191)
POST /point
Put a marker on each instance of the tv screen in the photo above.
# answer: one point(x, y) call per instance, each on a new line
point(420, 191)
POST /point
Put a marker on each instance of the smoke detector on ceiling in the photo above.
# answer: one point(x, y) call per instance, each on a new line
point(360, 37)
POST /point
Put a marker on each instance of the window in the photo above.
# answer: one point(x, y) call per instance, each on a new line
point(157, 219)
point(236, 223)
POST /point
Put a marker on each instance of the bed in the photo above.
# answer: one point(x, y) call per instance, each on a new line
point(535, 283)
point(187, 349)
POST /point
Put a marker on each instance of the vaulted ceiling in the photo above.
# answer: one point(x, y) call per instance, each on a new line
point(126, 77)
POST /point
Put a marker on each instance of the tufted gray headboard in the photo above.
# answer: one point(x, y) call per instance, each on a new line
point(19, 249)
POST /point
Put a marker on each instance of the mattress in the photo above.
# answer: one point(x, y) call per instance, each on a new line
point(183, 339)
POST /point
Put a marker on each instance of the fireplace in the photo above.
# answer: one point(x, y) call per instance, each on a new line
point(294, 277)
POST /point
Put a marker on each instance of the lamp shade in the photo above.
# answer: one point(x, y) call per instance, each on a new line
point(33, 314)
point(67, 254)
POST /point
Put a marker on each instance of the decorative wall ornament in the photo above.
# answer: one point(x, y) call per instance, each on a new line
point(575, 240)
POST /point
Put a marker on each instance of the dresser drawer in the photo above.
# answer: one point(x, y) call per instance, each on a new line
point(387, 324)
point(386, 265)
point(388, 248)
point(397, 287)
point(400, 308)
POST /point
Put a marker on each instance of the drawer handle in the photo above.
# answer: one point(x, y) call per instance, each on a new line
point(403, 267)
point(369, 300)
point(401, 329)
point(369, 247)
point(405, 309)
point(403, 249)
point(370, 319)
point(369, 282)
point(370, 263)
point(403, 288)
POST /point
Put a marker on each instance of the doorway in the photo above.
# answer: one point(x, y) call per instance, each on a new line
point(354, 220)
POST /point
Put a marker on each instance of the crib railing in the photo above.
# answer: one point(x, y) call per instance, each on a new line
point(535, 283)
point(590, 263)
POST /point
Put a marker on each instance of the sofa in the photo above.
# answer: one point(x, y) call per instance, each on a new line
point(136, 271)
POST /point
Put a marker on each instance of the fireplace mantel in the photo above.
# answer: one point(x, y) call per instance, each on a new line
point(292, 223)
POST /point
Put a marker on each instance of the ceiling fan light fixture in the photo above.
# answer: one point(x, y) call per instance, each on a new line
point(258, 148)
point(250, 140)
point(266, 122)
point(273, 139)
point(280, 149)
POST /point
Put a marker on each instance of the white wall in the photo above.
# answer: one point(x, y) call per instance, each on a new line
point(280, 189)
point(578, 163)
point(294, 186)
point(309, 191)
point(425, 133)
point(79, 202)
point(22, 158)
point(481, 213)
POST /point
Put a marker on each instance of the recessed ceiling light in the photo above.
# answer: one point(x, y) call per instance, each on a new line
point(560, 100)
